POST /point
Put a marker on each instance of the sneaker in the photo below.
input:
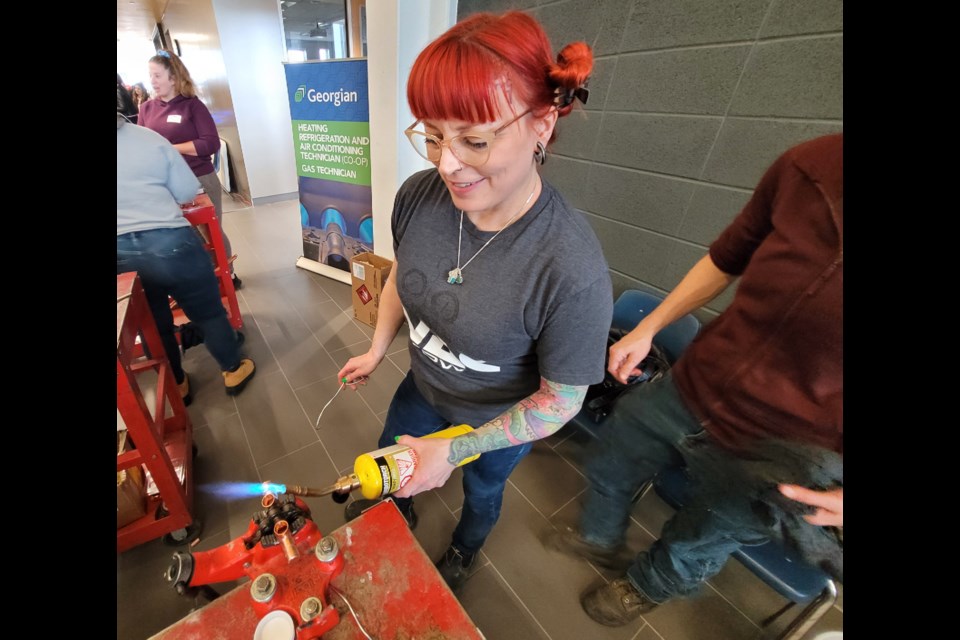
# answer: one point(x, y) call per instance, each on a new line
point(237, 379)
point(355, 508)
point(615, 604)
point(456, 567)
point(237, 282)
point(184, 388)
point(569, 541)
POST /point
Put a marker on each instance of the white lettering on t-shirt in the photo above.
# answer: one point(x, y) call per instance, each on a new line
point(438, 351)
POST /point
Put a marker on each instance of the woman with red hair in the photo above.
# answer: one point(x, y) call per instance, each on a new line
point(502, 283)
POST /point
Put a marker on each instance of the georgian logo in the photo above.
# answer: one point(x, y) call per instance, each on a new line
point(338, 97)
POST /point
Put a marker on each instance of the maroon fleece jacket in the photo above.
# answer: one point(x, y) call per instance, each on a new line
point(771, 365)
point(184, 120)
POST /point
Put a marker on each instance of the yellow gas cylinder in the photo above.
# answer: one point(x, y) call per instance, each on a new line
point(386, 470)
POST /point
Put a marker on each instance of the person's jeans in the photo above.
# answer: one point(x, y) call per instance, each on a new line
point(484, 479)
point(173, 262)
point(650, 428)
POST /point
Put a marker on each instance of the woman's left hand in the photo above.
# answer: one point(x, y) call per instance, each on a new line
point(432, 470)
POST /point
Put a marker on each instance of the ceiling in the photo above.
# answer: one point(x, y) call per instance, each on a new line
point(138, 18)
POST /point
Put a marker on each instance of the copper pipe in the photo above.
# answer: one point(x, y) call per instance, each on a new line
point(267, 501)
point(282, 530)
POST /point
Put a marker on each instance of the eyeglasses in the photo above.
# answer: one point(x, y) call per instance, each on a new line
point(470, 148)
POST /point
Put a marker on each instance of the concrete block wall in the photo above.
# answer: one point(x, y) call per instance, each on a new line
point(690, 101)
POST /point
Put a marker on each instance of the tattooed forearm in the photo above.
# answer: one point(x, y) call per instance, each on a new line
point(533, 418)
point(475, 442)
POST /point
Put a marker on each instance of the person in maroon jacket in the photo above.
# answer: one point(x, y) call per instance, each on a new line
point(769, 369)
point(176, 113)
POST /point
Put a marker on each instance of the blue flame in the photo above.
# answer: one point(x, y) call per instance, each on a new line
point(240, 490)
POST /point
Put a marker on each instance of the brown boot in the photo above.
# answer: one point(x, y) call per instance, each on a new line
point(569, 541)
point(615, 604)
point(237, 379)
point(184, 388)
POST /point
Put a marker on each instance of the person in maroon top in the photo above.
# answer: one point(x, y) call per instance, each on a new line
point(768, 370)
point(178, 115)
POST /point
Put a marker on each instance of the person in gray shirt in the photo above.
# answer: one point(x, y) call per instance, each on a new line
point(156, 241)
point(502, 283)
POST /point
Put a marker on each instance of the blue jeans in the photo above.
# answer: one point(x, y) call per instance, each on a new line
point(173, 262)
point(483, 479)
point(650, 428)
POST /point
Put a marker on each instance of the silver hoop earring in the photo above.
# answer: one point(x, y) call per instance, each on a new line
point(540, 155)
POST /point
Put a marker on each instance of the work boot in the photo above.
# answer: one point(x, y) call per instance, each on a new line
point(184, 388)
point(569, 541)
point(237, 379)
point(615, 604)
point(456, 567)
point(237, 282)
point(355, 508)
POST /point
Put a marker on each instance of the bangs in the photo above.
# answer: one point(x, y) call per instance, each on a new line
point(456, 80)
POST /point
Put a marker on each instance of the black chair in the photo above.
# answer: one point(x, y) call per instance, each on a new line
point(778, 566)
point(629, 309)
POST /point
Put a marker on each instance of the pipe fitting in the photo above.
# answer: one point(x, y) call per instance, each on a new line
point(282, 530)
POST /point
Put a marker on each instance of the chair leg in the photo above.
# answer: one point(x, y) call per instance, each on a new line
point(769, 620)
point(642, 491)
point(811, 613)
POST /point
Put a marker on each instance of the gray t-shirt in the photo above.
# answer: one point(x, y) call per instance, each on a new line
point(536, 302)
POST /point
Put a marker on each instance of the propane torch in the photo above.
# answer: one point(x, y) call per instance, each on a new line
point(377, 474)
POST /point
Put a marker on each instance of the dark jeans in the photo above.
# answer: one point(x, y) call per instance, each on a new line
point(173, 262)
point(483, 479)
point(650, 428)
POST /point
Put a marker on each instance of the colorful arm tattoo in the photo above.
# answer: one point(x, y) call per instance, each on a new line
point(533, 418)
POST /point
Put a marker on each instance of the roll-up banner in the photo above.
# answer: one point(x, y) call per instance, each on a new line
point(331, 139)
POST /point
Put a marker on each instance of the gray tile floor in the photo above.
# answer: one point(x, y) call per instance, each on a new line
point(300, 329)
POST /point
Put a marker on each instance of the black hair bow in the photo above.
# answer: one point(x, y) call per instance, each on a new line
point(566, 96)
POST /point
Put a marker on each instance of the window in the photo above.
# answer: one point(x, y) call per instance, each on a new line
point(314, 29)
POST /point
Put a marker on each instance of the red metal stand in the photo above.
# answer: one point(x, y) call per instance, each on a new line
point(161, 439)
point(203, 216)
point(388, 579)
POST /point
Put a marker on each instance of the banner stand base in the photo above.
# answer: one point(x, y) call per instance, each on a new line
point(324, 270)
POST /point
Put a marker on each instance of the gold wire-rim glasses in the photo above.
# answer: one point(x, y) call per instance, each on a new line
point(468, 144)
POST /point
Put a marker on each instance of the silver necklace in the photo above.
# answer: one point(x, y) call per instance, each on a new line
point(455, 276)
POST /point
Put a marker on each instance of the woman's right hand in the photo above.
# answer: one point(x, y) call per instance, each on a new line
point(358, 368)
point(627, 353)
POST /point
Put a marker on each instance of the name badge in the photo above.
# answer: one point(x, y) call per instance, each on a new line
point(174, 118)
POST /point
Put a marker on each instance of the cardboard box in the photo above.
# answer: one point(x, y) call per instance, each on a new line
point(368, 273)
point(131, 497)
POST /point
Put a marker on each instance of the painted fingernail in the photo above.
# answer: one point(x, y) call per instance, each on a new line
point(396, 438)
